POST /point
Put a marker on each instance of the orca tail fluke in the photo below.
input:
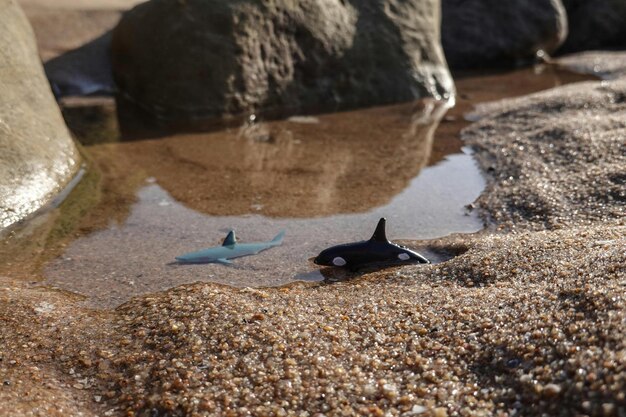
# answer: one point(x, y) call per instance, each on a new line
point(379, 234)
point(278, 240)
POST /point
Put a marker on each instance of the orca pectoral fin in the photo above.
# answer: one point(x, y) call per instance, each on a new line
point(423, 259)
point(224, 261)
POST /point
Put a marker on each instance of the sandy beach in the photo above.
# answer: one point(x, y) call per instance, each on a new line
point(527, 318)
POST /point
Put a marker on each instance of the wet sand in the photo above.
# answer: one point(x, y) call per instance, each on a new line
point(61, 26)
point(520, 324)
point(569, 160)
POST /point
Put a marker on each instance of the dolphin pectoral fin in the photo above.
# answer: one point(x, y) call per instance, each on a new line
point(224, 261)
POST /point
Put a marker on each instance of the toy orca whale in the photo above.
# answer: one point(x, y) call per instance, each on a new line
point(377, 250)
point(230, 249)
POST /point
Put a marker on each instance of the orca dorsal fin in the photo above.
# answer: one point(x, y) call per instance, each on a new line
point(230, 239)
point(379, 234)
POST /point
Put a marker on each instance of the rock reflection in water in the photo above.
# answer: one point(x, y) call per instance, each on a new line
point(342, 163)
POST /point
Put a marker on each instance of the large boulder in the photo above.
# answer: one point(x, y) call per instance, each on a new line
point(37, 154)
point(494, 32)
point(185, 61)
point(595, 24)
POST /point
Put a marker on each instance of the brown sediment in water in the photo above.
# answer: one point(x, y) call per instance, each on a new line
point(91, 205)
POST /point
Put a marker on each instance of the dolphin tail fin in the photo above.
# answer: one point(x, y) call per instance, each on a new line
point(231, 239)
point(278, 240)
point(379, 234)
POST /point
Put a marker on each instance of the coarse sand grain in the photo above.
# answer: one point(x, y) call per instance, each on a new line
point(532, 322)
point(554, 159)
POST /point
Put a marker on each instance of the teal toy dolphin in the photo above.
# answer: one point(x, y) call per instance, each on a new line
point(230, 249)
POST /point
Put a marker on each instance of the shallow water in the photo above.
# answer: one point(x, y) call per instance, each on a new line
point(111, 266)
point(325, 179)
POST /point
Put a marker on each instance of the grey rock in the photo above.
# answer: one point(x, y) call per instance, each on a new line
point(595, 24)
point(186, 61)
point(37, 154)
point(478, 33)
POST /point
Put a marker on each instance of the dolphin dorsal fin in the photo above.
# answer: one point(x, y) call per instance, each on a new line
point(379, 234)
point(230, 239)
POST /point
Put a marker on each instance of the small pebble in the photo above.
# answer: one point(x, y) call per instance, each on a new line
point(551, 390)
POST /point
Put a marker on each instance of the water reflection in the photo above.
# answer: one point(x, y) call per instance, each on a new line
point(302, 167)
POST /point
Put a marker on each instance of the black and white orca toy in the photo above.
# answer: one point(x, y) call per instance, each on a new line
point(377, 250)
